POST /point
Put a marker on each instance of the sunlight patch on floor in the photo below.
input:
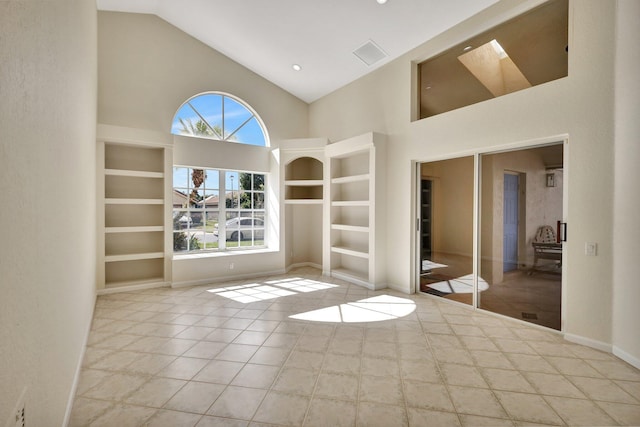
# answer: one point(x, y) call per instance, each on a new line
point(374, 309)
point(271, 289)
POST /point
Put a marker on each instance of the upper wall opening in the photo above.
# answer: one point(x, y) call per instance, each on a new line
point(528, 50)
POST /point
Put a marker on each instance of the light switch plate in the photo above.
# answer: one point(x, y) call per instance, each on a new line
point(591, 248)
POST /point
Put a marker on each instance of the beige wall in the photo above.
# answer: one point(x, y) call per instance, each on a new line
point(573, 105)
point(48, 84)
point(147, 69)
point(626, 231)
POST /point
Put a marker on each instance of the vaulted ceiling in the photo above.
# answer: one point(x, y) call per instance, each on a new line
point(269, 37)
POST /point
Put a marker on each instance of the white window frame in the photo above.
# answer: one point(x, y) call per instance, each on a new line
point(224, 213)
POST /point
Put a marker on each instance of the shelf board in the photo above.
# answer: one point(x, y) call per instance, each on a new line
point(350, 203)
point(303, 201)
point(134, 229)
point(133, 257)
point(350, 252)
point(348, 179)
point(133, 173)
point(344, 227)
point(304, 182)
point(114, 201)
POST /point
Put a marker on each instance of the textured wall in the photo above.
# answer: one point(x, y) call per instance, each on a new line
point(626, 231)
point(382, 101)
point(47, 201)
point(148, 68)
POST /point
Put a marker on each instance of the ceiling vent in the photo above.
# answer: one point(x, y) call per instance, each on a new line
point(369, 53)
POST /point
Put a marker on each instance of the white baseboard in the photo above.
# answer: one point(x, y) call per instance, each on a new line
point(303, 264)
point(213, 280)
point(598, 345)
point(128, 288)
point(630, 359)
point(76, 376)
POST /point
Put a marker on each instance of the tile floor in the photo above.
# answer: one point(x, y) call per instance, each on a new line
point(256, 353)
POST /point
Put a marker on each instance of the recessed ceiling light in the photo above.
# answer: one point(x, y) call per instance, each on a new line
point(381, 1)
point(296, 67)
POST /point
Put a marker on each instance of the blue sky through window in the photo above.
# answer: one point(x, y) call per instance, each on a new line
point(220, 117)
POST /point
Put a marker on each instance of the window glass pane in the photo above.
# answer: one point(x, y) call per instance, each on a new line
point(180, 177)
point(197, 209)
point(258, 200)
point(251, 133)
point(446, 230)
point(183, 117)
point(220, 117)
point(258, 182)
point(235, 114)
point(520, 255)
point(212, 180)
point(211, 199)
point(180, 241)
point(209, 107)
point(181, 220)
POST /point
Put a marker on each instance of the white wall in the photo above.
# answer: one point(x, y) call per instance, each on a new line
point(48, 85)
point(573, 105)
point(626, 231)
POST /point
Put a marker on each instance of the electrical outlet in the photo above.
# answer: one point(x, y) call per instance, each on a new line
point(230, 266)
point(590, 249)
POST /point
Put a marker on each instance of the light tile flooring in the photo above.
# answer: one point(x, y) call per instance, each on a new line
point(256, 353)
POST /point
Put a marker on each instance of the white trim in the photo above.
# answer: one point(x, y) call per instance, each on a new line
point(216, 280)
point(579, 339)
point(477, 154)
point(220, 253)
point(630, 359)
point(77, 374)
point(114, 288)
point(353, 277)
point(132, 136)
point(303, 264)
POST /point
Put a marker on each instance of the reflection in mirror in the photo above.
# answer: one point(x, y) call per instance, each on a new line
point(521, 258)
point(446, 234)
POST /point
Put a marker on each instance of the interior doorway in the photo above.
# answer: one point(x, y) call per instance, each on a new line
point(446, 228)
point(507, 204)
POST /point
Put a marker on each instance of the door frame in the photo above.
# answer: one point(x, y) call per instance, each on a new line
point(477, 154)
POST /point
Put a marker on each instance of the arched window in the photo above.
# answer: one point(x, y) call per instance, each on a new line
point(221, 117)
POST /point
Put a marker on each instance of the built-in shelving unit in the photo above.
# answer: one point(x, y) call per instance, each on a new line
point(134, 233)
point(304, 181)
point(425, 218)
point(304, 191)
point(354, 220)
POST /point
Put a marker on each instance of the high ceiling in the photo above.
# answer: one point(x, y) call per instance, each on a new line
point(268, 37)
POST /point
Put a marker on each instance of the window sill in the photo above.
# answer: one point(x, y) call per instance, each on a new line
point(222, 254)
